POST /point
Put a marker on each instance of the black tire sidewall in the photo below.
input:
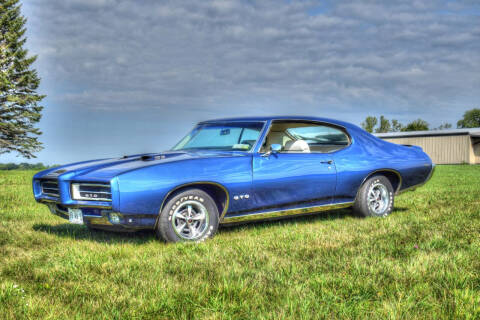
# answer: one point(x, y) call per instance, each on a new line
point(164, 227)
point(361, 204)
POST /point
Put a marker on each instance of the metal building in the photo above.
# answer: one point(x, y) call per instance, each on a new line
point(451, 146)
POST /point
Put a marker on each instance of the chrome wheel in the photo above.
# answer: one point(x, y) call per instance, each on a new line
point(378, 198)
point(190, 220)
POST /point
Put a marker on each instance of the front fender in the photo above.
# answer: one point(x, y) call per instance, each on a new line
point(144, 190)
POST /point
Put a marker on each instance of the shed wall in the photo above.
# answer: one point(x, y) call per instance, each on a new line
point(444, 149)
point(476, 150)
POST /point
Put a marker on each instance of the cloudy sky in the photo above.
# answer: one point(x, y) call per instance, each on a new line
point(124, 77)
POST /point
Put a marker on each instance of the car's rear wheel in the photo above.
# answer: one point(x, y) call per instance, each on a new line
point(190, 215)
point(375, 197)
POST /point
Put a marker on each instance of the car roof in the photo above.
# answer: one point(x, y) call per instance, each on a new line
point(267, 118)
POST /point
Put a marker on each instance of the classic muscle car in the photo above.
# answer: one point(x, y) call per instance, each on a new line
point(234, 170)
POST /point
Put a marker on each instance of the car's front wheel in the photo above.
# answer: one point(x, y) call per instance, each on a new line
point(375, 197)
point(190, 215)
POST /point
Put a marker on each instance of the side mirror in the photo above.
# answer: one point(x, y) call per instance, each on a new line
point(274, 148)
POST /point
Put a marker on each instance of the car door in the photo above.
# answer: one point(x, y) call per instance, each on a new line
point(293, 179)
point(303, 173)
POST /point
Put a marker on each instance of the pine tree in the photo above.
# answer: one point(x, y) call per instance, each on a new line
point(19, 109)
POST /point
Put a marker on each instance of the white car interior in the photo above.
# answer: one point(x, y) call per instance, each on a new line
point(319, 138)
point(297, 145)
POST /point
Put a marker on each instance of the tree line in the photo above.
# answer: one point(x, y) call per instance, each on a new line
point(24, 166)
point(471, 119)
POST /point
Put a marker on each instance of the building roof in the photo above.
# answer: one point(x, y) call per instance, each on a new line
point(473, 132)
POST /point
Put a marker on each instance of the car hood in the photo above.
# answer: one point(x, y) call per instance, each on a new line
point(106, 169)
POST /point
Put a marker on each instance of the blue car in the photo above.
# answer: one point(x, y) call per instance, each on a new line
point(235, 170)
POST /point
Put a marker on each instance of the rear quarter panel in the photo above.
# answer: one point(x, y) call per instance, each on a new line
point(368, 154)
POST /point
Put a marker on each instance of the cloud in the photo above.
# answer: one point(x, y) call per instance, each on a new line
point(407, 59)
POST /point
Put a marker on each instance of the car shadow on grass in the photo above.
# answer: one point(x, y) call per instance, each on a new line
point(140, 237)
point(103, 236)
point(300, 219)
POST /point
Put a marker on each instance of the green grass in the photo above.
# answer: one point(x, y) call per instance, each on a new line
point(423, 261)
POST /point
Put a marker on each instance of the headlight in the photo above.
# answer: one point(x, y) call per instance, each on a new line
point(91, 191)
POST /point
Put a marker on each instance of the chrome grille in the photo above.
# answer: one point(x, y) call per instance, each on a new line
point(91, 191)
point(50, 188)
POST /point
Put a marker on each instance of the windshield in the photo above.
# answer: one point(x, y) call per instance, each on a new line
point(240, 136)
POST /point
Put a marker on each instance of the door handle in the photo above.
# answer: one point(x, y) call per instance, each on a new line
point(327, 162)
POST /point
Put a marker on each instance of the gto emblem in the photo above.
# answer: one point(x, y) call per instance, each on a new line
point(91, 195)
point(241, 196)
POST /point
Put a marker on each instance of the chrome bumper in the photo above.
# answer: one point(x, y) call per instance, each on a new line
point(94, 216)
point(101, 217)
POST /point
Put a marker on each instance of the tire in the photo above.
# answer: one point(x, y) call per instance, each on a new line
point(190, 215)
point(375, 198)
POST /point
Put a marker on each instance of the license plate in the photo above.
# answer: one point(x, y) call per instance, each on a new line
point(75, 216)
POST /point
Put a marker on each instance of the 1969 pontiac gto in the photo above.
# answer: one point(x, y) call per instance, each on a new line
point(235, 170)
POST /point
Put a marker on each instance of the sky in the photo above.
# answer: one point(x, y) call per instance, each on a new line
point(125, 77)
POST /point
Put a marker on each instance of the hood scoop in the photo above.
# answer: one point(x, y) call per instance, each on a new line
point(151, 157)
point(147, 157)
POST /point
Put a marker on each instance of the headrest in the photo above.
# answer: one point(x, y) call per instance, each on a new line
point(297, 145)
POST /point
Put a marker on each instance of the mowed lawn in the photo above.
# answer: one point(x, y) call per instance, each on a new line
point(422, 262)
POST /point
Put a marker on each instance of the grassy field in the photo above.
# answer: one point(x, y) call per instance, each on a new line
point(423, 261)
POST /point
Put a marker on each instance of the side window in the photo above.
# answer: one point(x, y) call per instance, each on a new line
point(306, 137)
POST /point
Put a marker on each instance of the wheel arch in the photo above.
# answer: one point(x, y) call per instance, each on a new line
point(392, 175)
point(217, 191)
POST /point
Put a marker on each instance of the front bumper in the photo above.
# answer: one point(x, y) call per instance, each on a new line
point(101, 217)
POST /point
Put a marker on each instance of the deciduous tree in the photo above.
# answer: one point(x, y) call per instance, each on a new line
point(396, 125)
point(444, 126)
point(384, 125)
point(369, 124)
point(416, 125)
point(471, 119)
